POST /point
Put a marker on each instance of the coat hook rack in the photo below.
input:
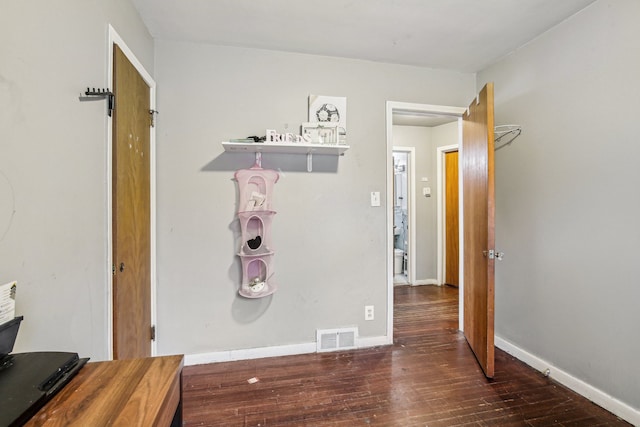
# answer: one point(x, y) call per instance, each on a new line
point(91, 94)
point(505, 134)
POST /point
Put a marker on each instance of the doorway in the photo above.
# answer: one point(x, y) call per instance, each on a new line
point(477, 226)
point(130, 264)
point(404, 254)
point(394, 108)
point(451, 219)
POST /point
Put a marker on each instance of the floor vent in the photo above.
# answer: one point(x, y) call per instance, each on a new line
point(336, 339)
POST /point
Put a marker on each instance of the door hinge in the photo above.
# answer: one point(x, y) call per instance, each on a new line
point(153, 332)
point(113, 269)
point(152, 114)
point(493, 254)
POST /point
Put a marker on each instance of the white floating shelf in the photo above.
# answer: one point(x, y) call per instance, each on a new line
point(286, 148)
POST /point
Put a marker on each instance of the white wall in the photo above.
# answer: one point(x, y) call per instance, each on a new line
point(53, 166)
point(330, 243)
point(446, 134)
point(567, 196)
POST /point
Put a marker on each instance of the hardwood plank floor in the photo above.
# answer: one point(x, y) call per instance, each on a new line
point(429, 377)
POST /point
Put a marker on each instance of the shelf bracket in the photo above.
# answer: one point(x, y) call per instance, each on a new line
point(309, 162)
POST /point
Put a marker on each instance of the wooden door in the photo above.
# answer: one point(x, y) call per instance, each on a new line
point(477, 158)
point(451, 270)
point(131, 212)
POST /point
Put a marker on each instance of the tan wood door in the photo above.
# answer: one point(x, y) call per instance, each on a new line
point(131, 212)
point(477, 158)
point(451, 219)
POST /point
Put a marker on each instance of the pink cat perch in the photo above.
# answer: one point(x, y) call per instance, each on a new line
point(255, 215)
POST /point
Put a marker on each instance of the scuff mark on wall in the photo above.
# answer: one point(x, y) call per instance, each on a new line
point(7, 210)
point(10, 103)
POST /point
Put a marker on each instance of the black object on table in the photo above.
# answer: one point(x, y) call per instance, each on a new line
point(29, 380)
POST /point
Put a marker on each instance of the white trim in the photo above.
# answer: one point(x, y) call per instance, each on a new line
point(114, 38)
point(440, 110)
point(461, 231)
point(441, 211)
point(595, 395)
point(411, 209)
point(426, 282)
point(251, 353)
point(367, 342)
point(389, 209)
point(274, 351)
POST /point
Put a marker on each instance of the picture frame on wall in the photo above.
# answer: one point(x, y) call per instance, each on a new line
point(321, 133)
point(330, 109)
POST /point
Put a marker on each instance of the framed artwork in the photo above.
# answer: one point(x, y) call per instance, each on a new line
point(321, 132)
point(330, 109)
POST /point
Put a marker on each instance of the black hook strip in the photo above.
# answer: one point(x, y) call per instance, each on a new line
point(105, 94)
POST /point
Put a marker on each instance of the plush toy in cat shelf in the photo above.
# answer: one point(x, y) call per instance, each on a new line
point(256, 285)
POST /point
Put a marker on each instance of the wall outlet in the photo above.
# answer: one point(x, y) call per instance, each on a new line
point(368, 312)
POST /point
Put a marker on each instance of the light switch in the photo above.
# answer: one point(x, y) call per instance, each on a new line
point(375, 198)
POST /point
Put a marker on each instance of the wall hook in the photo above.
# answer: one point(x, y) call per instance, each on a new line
point(91, 94)
point(505, 134)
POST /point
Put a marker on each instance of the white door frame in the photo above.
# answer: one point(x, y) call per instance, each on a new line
point(439, 110)
point(411, 211)
point(114, 38)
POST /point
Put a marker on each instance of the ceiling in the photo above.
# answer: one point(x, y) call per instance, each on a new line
point(457, 35)
point(414, 118)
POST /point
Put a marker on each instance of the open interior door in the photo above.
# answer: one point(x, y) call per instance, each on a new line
point(131, 212)
point(477, 168)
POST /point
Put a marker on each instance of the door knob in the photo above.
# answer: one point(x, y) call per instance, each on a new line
point(121, 267)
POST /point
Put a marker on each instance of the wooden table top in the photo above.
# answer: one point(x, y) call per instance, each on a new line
point(135, 392)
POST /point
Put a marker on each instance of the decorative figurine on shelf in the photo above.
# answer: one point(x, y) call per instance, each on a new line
point(273, 136)
point(254, 243)
point(256, 285)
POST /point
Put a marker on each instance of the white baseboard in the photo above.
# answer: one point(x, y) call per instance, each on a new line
point(275, 351)
point(249, 353)
point(595, 395)
point(425, 282)
point(367, 342)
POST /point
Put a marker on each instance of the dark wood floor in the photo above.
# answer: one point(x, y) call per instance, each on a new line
point(429, 377)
